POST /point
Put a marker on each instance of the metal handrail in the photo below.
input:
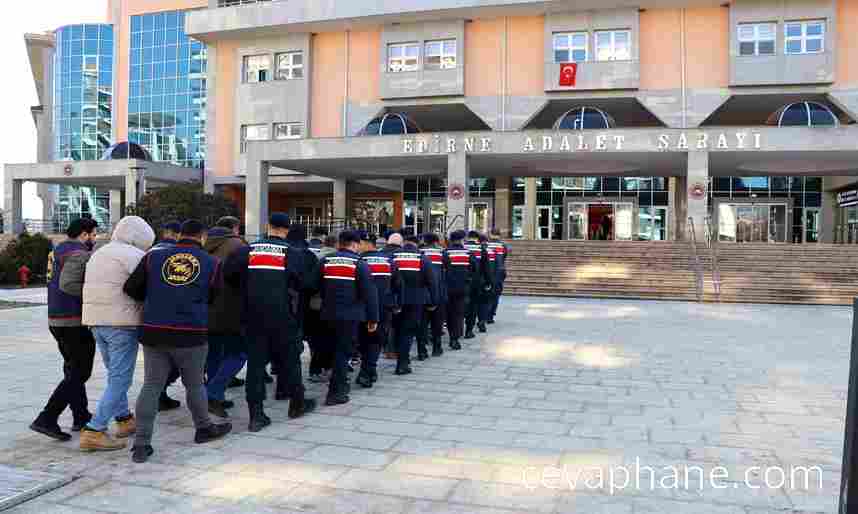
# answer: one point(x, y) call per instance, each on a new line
point(712, 242)
point(453, 222)
point(698, 266)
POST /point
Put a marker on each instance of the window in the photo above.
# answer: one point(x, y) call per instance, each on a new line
point(757, 39)
point(402, 57)
point(290, 66)
point(288, 130)
point(570, 47)
point(804, 37)
point(254, 133)
point(613, 45)
point(257, 68)
point(440, 55)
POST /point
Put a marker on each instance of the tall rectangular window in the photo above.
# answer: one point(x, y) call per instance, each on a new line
point(440, 55)
point(613, 45)
point(570, 47)
point(257, 68)
point(288, 130)
point(402, 57)
point(261, 132)
point(290, 65)
point(804, 37)
point(757, 39)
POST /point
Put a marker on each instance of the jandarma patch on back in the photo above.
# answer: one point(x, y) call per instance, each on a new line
point(180, 269)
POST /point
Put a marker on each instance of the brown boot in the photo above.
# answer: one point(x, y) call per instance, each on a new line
point(93, 440)
point(126, 427)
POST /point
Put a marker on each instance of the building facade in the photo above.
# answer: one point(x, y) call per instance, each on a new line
point(546, 120)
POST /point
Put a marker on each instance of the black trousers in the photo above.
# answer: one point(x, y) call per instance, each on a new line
point(496, 294)
point(389, 336)
point(370, 344)
point(345, 333)
point(455, 310)
point(283, 346)
point(473, 305)
point(432, 322)
point(77, 346)
point(406, 325)
point(321, 346)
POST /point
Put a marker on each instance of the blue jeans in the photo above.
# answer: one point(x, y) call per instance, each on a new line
point(232, 360)
point(118, 347)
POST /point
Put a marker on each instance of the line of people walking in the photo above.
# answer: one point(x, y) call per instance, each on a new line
point(203, 304)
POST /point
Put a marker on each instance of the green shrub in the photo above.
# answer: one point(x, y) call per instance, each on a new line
point(30, 250)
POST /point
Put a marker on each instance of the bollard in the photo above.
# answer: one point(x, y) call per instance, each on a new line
point(849, 475)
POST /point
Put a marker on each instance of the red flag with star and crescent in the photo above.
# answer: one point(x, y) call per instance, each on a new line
point(568, 72)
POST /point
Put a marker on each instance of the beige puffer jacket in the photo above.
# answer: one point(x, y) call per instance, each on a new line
point(104, 302)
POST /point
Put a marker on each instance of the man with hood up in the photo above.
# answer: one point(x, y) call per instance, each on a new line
point(114, 318)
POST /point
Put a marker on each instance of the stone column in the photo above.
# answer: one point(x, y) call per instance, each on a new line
point(340, 198)
point(213, 139)
point(697, 208)
point(503, 201)
point(459, 174)
point(528, 229)
point(13, 220)
point(131, 188)
point(828, 215)
point(256, 201)
point(115, 206)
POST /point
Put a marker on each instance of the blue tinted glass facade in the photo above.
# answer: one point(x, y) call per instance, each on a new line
point(167, 89)
point(82, 112)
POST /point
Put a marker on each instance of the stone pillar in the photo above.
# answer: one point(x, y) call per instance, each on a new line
point(256, 201)
point(340, 198)
point(503, 205)
point(13, 220)
point(828, 215)
point(213, 139)
point(116, 209)
point(697, 208)
point(528, 229)
point(458, 174)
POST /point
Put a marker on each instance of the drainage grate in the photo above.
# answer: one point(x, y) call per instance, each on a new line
point(18, 486)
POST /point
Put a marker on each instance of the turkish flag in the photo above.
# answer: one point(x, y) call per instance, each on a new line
point(568, 72)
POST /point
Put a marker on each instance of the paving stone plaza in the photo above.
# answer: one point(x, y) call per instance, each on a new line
point(545, 415)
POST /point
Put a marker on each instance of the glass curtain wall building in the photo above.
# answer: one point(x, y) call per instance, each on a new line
point(167, 90)
point(83, 107)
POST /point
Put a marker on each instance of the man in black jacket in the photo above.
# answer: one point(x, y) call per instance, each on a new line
point(177, 285)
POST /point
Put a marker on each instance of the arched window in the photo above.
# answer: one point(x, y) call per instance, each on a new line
point(126, 150)
point(804, 114)
point(390, 123)
point(581, 118)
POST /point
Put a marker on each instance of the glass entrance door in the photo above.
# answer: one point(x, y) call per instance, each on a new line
point(811, 225)
point(623, 221)
point(578, 221)
point(752, 223)
point(543, 222)
point(478, 217)
point(602, 221)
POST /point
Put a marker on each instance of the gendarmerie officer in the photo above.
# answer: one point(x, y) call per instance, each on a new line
point(385, 275)
point(481, 285)
point(501, 251)
point(419, 292)
point(349, 298)
point(177, 285)
point(433, 319)
point(462, 271)
point(484, 312)
point(272, 276)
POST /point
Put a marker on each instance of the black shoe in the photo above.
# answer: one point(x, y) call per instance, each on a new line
point(491, 321)
point(363, 380)
point(216, 408)
point(78, 424)
point(403, 370)
point(228, 404)
point(258, 419)
point(299, 407)
point(141, 454)
point(481, 326)
point(422, 356)
point(374, 377)
point(437, 349)
point(455, 345)
point(52, 431)
point(212, 433)
point(350, 368)
point(269, 379)
point(337, 400)
point(166, 403)
point(236, 382)
point(469, 334)
point(280, 396)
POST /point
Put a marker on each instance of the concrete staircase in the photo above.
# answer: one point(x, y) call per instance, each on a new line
point(755, 273)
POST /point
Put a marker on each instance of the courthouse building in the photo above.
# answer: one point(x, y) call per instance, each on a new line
point(608, 120)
